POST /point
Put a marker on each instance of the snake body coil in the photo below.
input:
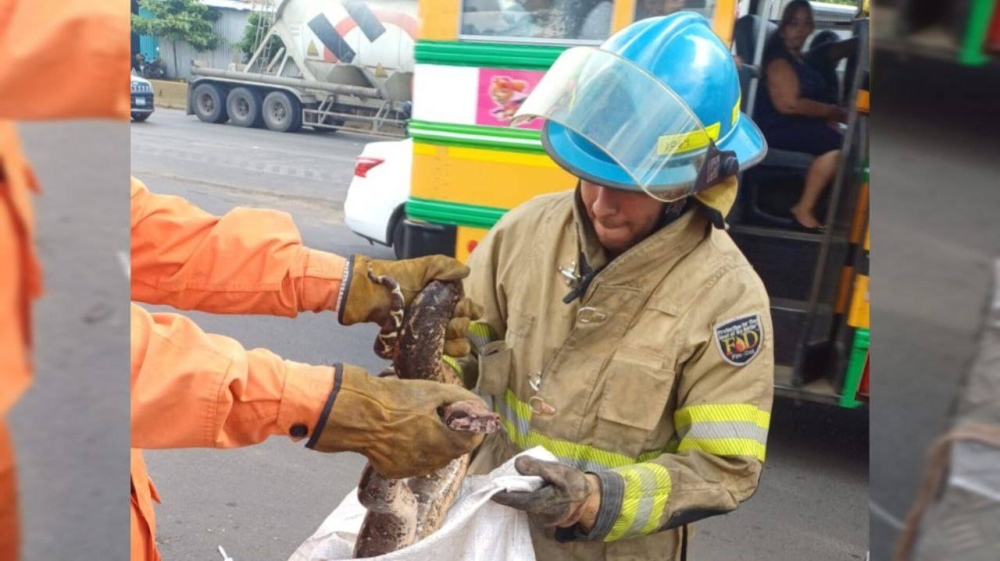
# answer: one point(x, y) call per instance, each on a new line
point(404, 511)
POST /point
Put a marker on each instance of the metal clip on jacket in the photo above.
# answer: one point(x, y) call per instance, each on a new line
point(570, 275)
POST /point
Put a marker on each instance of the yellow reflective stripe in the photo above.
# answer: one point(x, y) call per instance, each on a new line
point(647, 488)
point(669, 144)
point(479, 334)
point(630, 507)
point(580, 456)
point(736, 108)
point(660, 496)
point(725, 447)
point(736, 412)
point(520, 408)
point(737, 429)
point(646, 456)
point(452, 363)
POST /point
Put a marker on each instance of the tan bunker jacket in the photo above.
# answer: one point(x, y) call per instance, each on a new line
point(659, 379)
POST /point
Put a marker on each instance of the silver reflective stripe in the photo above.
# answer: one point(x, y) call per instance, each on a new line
point(648, 486)
point(521, 425)
point(724, 429)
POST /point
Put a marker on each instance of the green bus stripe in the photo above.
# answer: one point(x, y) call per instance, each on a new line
point(490, 55)
point(499, 132)
point(456, 214)
point(977, 28)
point(473, 136)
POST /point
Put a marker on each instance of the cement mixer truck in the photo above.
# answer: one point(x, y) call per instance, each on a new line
point(322, 64)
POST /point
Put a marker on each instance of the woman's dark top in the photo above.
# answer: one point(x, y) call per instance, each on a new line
point(795, 132)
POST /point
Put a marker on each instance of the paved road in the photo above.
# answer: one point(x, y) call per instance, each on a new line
point(261, 502)
point(72, 428)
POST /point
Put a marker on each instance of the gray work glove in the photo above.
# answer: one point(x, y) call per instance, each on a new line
point(569, 496)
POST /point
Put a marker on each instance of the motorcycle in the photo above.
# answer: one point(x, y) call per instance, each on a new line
point(154, 69)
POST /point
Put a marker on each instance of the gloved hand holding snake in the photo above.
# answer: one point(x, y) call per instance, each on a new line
point(364, 299)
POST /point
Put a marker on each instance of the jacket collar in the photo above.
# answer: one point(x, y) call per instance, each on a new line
point(645, 264)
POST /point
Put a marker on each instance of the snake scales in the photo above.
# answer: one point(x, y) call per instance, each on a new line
point(404, 511)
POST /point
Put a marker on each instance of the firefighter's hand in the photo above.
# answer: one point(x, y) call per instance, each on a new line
point(568, 497)
point(394, 423)
point(456, 341)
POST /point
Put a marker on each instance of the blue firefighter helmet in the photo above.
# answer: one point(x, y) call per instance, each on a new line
point(655, 108)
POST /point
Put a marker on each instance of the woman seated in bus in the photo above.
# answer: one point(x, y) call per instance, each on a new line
point(795, 111)
point(826, 50)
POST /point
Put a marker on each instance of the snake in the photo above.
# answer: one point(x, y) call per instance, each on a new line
point(401, 512)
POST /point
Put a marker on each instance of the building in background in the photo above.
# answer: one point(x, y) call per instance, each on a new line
point(230, 26)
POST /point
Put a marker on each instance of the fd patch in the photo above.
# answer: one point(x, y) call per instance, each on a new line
point(739, 339)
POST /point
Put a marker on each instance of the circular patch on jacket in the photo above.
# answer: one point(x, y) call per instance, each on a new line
point(739, 339)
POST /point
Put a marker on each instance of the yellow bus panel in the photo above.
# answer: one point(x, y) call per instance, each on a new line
point(487, 178)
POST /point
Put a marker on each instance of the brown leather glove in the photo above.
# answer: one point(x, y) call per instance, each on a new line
point(570, 496)
point(456, 339)
point(394, 423)
point(362, 300)
point(365, 301)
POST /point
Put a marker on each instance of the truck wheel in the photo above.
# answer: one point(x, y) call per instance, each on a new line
point(282, 112)
point(209, 103)
point(243, 105)
point(140, 117)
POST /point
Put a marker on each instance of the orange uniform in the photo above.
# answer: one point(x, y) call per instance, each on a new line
point(192, 389)
point(39, 80)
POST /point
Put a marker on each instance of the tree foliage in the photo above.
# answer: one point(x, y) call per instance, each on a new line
point(258, 25)
point(179, 20)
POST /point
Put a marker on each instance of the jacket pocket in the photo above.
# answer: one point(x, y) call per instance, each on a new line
point(519, 327)
point(637, 388)
point(494, 368)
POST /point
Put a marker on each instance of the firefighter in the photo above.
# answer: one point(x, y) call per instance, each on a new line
point(192, 389)
point(39, 82)
point(623, 330)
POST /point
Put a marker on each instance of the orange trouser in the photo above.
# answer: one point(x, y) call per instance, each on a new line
point(9, 526)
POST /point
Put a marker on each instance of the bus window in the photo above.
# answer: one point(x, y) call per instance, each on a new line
point(655, 8)
point(553, 21)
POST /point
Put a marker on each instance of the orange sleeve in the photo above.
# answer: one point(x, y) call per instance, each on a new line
point(250, 261)
point(63, 59)
point(192, 389)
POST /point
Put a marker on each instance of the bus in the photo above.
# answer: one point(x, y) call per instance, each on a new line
point(477, 59)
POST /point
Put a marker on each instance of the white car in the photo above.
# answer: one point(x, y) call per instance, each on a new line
point(376, 198)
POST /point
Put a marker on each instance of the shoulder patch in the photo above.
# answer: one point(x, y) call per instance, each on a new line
point(739, 339)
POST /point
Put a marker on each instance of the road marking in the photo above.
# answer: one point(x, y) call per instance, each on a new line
point(330, 173)
point(885, 515)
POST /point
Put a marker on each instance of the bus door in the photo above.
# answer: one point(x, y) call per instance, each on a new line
point(809, 275)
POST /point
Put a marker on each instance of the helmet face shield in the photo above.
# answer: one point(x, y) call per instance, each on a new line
point(633, 118)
